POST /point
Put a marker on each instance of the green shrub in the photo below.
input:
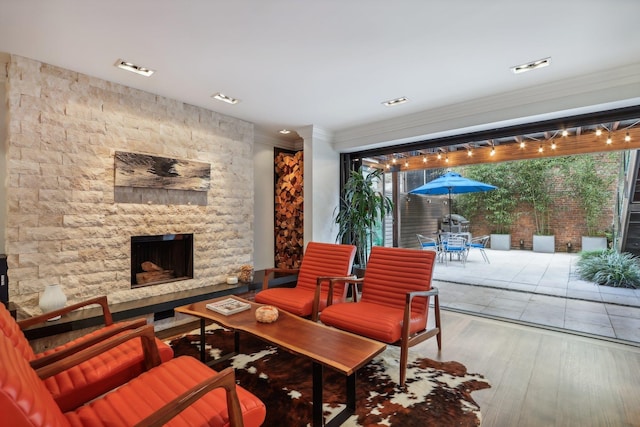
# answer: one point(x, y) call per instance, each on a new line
point(609, 268)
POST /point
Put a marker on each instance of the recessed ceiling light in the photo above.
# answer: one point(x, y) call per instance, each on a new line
point(129, 66)
point(531, 65)
point(224, 98)
point(284, 131)
point(396, 101)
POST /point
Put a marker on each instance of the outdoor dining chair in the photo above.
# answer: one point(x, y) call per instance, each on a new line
point(429, 244)
point(480, 243)
point(455, 244)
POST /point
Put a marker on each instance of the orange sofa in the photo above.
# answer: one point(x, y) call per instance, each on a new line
point(87, 380)
point(180, 392)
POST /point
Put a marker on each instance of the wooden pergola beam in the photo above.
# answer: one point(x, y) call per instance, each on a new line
point(580, 143)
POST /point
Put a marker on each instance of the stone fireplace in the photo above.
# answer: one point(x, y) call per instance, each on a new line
point(161, 259)
point(66, 220)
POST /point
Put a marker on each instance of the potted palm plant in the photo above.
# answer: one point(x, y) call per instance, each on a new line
point(362, 208)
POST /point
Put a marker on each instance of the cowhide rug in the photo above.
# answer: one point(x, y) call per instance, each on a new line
point(436, 393)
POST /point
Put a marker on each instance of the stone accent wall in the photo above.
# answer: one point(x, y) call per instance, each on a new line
point(62, 222)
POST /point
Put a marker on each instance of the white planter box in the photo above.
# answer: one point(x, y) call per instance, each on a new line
point(501, 242)
point(593, 243)
point(545, 244)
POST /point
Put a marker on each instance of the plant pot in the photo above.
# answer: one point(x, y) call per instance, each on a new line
point(593, 243)
point(501, 242)
point(545, 244)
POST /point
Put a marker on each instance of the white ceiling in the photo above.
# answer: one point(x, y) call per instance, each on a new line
point(331, 63)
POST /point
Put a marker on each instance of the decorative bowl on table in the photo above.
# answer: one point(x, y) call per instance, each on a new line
point(266, 314)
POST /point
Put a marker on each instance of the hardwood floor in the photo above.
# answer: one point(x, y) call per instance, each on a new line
point(543, 378)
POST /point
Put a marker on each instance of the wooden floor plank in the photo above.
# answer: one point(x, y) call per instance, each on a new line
point(544, 378)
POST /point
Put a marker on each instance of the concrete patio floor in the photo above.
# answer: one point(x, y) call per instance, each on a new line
point(541, 289)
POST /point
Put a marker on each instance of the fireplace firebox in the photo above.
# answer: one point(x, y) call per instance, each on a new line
point(161, 259)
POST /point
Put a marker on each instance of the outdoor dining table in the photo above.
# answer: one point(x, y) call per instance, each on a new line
point(443, 239)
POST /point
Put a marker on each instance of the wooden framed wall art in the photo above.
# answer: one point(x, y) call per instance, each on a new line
point(146, 171)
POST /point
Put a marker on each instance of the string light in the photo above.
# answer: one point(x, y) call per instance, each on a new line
point(408, 160)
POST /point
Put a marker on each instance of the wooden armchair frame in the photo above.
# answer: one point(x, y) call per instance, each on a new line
point(101, 301)
point(316, 298)
point(88, 342)
point(271, 272)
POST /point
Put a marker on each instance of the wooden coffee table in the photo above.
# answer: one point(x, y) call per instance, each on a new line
point(325, 346)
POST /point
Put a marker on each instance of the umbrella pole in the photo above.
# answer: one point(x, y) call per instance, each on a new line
point(450, 219)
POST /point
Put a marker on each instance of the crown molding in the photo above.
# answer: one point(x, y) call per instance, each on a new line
point(263, 137)
point(315, 132)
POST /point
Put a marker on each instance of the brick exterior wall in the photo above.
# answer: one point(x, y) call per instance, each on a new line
point(63, 224)
point(567, 218)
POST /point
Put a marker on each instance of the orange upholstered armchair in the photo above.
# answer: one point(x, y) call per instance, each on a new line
point(83, 382)
point(181, 392)
point(321, 262)
point(394, 305)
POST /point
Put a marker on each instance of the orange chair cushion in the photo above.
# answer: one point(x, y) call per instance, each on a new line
point(378, 322)
point(295, 300)
point(99, 374)
point(147, 393)
point(320, 259)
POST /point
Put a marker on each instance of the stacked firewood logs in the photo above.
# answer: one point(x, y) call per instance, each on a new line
point(153, 273)
point(289, 204)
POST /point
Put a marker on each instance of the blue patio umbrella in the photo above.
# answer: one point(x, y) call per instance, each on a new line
point(452, 183)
